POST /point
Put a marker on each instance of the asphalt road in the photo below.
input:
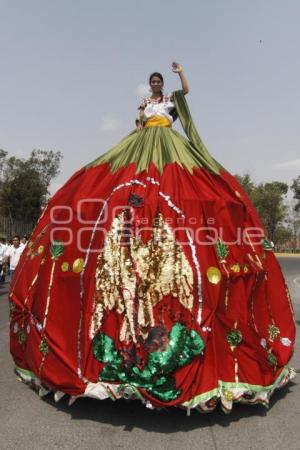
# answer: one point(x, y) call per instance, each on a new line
point(28, 422)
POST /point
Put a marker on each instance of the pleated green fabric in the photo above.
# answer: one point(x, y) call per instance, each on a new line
point(161, 146)
point(190, 130)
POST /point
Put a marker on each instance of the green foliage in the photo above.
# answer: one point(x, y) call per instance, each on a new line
point(296, 189)
point(269, 201)
point(246, 182)
point(283, 234)
point(293, 228)
point(46, 163)
point(24, 183)
point(22, 196)
point(3, 156)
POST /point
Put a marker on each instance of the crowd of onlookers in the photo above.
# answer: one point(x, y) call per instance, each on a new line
point(10, 252)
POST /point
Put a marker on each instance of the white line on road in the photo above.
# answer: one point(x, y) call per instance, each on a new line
point(297, 281)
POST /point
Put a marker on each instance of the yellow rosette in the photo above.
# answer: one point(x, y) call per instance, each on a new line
point(65, 266)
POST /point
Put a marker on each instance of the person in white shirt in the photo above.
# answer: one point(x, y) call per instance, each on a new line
point(13, 254)
point(3, 249)
point(24, 240)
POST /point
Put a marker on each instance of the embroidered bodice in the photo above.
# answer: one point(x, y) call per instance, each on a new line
point(153, 107)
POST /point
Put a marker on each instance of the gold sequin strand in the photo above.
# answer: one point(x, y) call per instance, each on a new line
point(56, 250)
point(24, 306)
point(146, 272)
point(252, 295)
point(257, 260)
point(227, 285)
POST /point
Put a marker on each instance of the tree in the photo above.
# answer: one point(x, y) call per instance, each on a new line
point(246, 182)
point(45, 163)
point(24, 183)
point(296, 188)
point(293, 225)
point(283, 236)
point(268, 199)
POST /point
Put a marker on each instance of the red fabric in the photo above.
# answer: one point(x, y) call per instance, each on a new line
point(254, 298)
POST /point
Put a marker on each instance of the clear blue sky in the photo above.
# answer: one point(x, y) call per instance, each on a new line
point(70, 71)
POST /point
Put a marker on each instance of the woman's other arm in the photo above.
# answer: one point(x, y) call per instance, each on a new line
point(139, 122)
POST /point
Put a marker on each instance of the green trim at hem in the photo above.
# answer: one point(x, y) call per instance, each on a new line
point(129, 391)
point(223, 385)
point(25, 372)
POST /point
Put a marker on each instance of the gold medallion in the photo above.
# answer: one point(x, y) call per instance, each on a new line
point(214, 275)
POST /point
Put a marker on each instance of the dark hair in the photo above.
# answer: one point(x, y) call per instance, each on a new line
point(16, 236)
point(158, 75)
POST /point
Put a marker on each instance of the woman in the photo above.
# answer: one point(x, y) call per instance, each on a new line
point(149, 276)
point(158, 104)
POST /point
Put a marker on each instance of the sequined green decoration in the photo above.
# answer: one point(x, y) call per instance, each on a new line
point(105, 351)
point(22, 336)
point(273, 332)
point(222, 250)
point(155, 376)
point(267, 244)
point(56, 249)
point(234, 337)
point(272, 359)
point(43, 347)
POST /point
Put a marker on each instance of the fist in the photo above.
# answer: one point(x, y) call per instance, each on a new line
point(176, 67)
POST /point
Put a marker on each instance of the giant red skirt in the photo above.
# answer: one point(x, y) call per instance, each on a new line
point(149, 275)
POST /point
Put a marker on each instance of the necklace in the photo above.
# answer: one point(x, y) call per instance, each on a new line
point(157, 99)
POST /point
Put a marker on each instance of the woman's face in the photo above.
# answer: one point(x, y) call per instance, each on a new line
point(156, 85)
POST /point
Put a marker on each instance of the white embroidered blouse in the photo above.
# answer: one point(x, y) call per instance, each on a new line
point(152, 107)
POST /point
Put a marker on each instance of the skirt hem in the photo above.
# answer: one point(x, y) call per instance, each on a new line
point(225, 393)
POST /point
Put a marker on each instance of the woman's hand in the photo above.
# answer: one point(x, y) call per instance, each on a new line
point(138, 125)
point(176, 67)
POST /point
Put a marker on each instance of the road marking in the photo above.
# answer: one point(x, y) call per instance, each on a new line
point(297, 281)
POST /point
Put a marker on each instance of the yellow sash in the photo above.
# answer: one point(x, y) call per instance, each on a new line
point(158, 121)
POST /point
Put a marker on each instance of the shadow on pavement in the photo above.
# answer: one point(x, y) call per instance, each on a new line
point(132, 414)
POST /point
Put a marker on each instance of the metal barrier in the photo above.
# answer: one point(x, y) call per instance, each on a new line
point(10, 227)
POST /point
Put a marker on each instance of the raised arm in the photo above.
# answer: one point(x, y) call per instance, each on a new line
point(177, 68)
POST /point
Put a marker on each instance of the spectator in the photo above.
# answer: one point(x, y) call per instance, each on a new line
point(13, 254)
point(3, 249)
point(24, 240)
